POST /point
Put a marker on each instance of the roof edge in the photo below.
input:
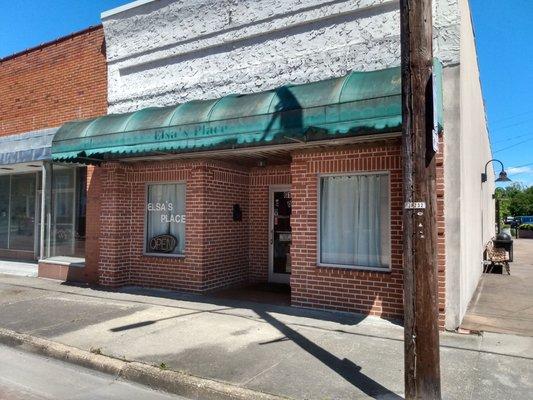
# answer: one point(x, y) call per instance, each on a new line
point(51, 42)
point(125, 7)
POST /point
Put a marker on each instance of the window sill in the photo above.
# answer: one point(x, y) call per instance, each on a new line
point(163, 255)
point(355, 268)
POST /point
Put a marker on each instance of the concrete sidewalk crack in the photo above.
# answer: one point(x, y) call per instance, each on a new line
point(243, 384)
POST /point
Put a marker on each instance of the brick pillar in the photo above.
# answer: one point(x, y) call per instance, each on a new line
point(196, 225)
point(114, 226)
point(303, 247)
point(92, 226)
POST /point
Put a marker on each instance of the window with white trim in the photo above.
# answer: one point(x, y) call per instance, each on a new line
point(165, 219)
point(354, 226)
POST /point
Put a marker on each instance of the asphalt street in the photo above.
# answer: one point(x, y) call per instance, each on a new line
point(26, 376)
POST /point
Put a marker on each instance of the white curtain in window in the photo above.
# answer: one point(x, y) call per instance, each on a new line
point(166, 203)
point(354, 220)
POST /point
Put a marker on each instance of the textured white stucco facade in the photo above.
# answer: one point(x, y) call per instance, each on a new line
point(165, 52)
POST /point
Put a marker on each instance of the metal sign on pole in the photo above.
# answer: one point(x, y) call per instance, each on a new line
point(419, 147)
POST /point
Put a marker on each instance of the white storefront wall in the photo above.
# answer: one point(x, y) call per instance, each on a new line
point(167, 52)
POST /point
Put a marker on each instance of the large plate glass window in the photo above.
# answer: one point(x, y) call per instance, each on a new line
point(67, 202)
point(22, 223)
point(355, 221)
point(165, 219)
point(18, 212)
point(5, 190)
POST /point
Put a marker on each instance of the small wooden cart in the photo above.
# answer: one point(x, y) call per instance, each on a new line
point(496, 256)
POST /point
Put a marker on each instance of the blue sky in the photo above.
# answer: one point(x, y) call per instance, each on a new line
point(503, 34)
point(27, 23)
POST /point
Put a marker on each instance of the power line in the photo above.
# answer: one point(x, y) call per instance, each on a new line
point(512, 138)
point(520, 166)
point(514, 145)
point(509, 117)
point(499, 128)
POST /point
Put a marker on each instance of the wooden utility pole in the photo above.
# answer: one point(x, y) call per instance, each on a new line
point(422, 363)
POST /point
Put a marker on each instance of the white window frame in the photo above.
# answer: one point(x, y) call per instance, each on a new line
point(318, 234)
point(146, 186)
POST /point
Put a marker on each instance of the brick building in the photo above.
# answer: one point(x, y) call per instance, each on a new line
point(42, 88)
point(262, 144)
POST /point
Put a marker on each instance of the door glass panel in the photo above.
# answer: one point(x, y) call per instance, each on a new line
point(282, 233)
point(68, 207)
point(22, 220)
point(4, 210)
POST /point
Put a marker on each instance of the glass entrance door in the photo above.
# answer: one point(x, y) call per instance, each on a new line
point(65, 232)
point(280, 234)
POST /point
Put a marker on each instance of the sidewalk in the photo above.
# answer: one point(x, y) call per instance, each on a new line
point(504, 303)
point(279, 350)
point(19, 268)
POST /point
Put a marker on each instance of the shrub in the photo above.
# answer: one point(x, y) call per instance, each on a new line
point(526, 227)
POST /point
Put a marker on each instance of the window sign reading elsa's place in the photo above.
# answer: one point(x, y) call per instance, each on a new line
point(169, 217)
point(165, 219)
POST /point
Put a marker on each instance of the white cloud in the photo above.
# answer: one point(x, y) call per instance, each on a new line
point(520, 170)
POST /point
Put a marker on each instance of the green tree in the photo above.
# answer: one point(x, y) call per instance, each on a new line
point(515, 200)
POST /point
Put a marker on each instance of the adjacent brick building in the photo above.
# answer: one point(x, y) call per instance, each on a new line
point(42, 88)
point(53, 83)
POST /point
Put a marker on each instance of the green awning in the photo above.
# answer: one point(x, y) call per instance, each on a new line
point(360, 103)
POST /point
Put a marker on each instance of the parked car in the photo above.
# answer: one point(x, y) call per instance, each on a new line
point(525, 219)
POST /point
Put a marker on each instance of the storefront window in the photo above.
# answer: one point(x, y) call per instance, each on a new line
point(165, 219)
point(354, 221)
point(5, 182)
point(66, 233)
point(18, 203)
point(22, 218)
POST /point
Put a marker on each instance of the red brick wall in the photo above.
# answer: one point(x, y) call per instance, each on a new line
point(164, 272)
point(115, 235)
point(216, 254)
point(377, 293)
point(54, 83)
point(260, 181)
point(92, 226)
point(222, 252)
point(226, 251)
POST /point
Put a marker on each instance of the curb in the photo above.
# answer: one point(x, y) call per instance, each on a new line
point(175, 382)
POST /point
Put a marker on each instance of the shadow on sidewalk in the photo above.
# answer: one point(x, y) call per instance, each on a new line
point(343, 318)
point(348, 370)
point(154, 321)
point(344, 367)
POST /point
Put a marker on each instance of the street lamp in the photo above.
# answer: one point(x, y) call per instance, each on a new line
point(502, 176)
